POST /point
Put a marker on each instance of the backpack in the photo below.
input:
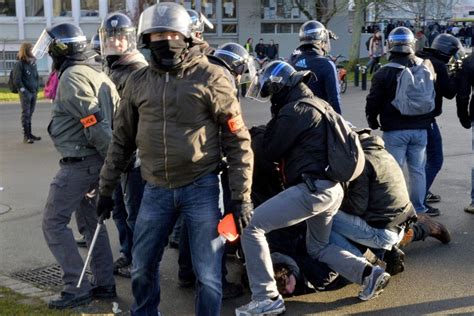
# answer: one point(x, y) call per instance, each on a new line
point(51, 86)
point(11, 83)
point(415, 93)
point(345, 154)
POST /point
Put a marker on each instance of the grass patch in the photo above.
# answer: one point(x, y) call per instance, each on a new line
point(7, 96)
point(12, 303)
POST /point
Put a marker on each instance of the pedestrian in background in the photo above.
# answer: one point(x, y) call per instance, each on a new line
point(25, 77)
point(375, 51)
point(272, 51)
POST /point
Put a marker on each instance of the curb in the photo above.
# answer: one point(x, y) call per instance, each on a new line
point(26, 289)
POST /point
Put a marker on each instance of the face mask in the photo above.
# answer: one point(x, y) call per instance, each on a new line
point(57, 61)
point(168, 53)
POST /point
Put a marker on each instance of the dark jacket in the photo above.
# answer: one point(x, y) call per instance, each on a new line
point(296, 138)
point(180, 121)
point(379, 195)
point(465, 108)
point(379, 100)
point(260, 50)
point(25, 75)
point(120, 70)
point(325, 86)
point(445, 85)
point(272, 51)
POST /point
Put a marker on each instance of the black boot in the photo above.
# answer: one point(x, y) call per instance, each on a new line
point(26, 135)
point(33, 137)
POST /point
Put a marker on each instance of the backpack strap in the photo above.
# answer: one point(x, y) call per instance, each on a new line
point(314, 104)
point(394, 65)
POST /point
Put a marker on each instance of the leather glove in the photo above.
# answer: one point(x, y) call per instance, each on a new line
point(465, 122)
point(373, 123)
point(105, 204)
point(243, 212)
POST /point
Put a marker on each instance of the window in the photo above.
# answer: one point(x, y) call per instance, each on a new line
point(89, 7)
point(188, 4)
point(283, 28)
point(62, 8)
point(8, 61)
point(229, 28)
point(34, 8)
point(116, 5)
point(286, 9)
point(208, 8)
point(229, 9)
point(7, 8)
point(268, 28)
point(208, 31)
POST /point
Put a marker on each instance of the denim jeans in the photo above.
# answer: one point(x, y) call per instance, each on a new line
point(434, 154)
point(348, 227)
point(292, 206)
point(126, 208)
point(409, 146)
point(198, 202)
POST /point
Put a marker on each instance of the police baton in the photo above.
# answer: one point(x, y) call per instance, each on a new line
point(91, 248)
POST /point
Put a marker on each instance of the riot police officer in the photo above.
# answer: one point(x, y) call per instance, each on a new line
point(81, 131)
point(312, 55)
point(178, 112)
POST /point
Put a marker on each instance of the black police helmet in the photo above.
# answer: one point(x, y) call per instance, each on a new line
point(401, 40)
point(64, 39)
point(314, 32)
point(446, 46)
point(115, 22)
point(235, 56)
point(95, 43)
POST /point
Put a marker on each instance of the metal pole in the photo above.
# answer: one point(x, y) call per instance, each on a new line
point(356, 75)
point(91, 248)
point(363, 70)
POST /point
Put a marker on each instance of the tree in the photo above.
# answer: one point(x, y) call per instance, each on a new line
point(325, 9)
point(359, 9)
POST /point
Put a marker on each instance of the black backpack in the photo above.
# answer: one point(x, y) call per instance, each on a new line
point(11, 83)
point(346, 157)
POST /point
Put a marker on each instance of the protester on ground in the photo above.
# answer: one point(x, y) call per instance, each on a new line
point(179, 98)
point(296, 136)
point(118, 46)
point(312, 55)
point(81, 131)
point(405, 136)
point(443, 48)
point(25, 79)
point(465, 109)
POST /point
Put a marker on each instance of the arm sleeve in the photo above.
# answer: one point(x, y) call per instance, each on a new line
point(81, 101)
point(445, 83)
point(17, 75)
point(331, 85)
point(121, 148)
point(374, 100)
point(235, 136)
point(464, 90)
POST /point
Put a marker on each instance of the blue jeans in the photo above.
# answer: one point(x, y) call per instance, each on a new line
point(126, 208)
point(347, 228)
point(198, 202)
point(409, 146)
point(434, 154)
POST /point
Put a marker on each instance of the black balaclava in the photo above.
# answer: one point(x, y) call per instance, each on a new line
point(168, 54)
point(58, 61)
point(112, 59)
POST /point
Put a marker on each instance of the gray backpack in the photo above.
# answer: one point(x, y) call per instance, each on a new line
point(415, 88)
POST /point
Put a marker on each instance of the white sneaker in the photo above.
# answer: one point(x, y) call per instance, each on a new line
point(262, 308)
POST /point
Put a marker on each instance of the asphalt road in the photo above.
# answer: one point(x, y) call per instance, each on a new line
point(438, 278)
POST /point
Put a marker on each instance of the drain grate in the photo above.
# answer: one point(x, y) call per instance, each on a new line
point(47, 277)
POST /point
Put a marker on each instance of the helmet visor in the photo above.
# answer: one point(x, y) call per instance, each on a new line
point(41, 45)
point(255, 90)
point(250, 72)
point(117, 43)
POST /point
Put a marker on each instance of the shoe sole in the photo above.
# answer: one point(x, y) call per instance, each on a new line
point(279, 311)
point(382, 282)
point(72, 305)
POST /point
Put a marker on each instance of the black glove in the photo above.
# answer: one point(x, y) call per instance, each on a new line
point(105, 204)
point(243, 212)
point(373, 123)
point(465, 122)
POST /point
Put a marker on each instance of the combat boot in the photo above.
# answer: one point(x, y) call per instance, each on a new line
point(407, 238)
point(26, 135)
point(435, 229)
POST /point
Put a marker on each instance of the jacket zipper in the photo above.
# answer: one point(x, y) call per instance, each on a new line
point(164, 129)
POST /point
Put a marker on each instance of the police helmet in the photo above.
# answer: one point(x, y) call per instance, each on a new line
point(117, 35)
point(401, 40)
point(237, 58)
point(270, 80)
point(64, 39)
point(447, 46)
point(198, 23)
point(95, 43)
point(314, 32)
point(163, 17)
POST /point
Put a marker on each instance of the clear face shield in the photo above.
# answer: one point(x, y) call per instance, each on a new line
point(251, 71)
point(117, 42)
point(258, 86)
point(42, 45)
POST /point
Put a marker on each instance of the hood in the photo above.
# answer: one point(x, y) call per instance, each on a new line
point(372, 142)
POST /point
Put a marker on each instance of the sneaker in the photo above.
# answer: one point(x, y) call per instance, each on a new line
point(69, 300)
point(374, 284)
point(432, 211)
point(261, 308)
point(121, 262)
point(470, 208)
point(432, 198)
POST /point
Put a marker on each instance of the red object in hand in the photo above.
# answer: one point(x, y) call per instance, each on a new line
point(227, 228)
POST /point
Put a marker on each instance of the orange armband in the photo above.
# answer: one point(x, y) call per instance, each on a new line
point(235, 123)
point(91, 120)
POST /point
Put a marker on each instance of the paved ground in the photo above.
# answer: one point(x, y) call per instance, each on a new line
point(438, 278)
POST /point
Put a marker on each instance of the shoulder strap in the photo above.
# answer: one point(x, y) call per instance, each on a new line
point(394, 65)
point(313, 103)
